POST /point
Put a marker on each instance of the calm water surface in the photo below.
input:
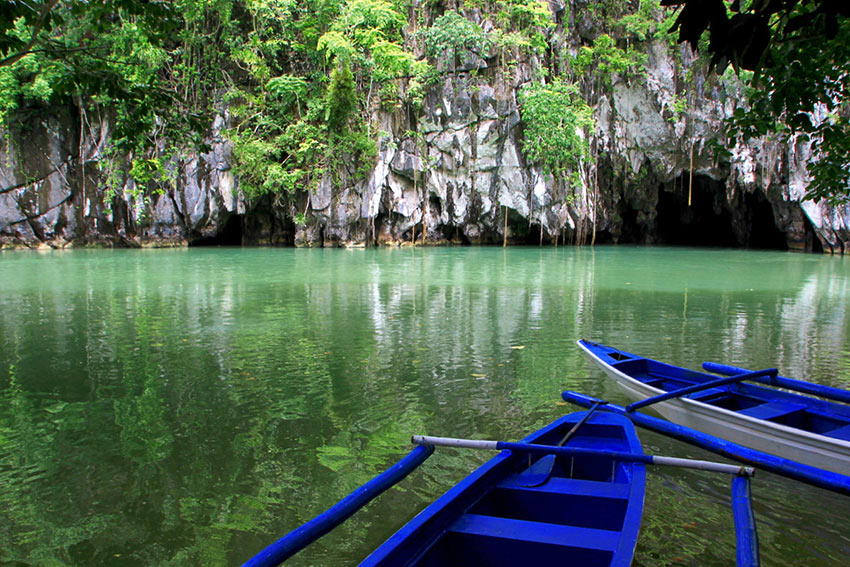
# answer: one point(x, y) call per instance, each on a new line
point(188, 407)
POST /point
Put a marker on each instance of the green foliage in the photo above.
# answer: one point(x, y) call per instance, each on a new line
point(455, 34)
point(799, 51)
point(282, 164)
point(49, 26)
point(341, 100)
point(334, 44)
point(368, 34)
point(557, 122)
point(9, 92)
point(618, 51)
point(522, 15)
point(287, 88)
point(367, 17)
point(802, 97)
point(143, 64)
point(678, 108)
point(648, 21)
point(519, 25)
point(146, 170)
point(414, 93)
point(389, 96)
point(289, 133)
point(605, 59)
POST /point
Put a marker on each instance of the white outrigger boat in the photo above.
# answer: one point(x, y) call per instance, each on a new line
point(814, 431)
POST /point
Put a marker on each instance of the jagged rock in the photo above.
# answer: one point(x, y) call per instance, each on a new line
point(453, 178)
point(320, 199)
point(407, 162)
point(487, 102)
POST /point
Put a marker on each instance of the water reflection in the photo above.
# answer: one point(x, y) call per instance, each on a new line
point(188, 407)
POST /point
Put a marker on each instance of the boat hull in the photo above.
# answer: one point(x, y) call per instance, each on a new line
point(784, 441)
point(588, 513)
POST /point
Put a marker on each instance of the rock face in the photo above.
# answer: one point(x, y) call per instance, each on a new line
point(58, 188)
point(456, 173)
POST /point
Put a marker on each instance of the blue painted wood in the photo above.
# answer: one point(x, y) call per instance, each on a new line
point(747, 547)
point(588, 513)
point(301, 537)
point(705, 394)
point(810, 475)
point(840, 433)
point(772, 410)
point(809, 429)
point(700, 387)
point(787, 383)
point(616, 490)
point(537, 532)
point(539, 472)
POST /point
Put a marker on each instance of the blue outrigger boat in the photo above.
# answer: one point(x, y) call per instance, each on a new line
point(569, 494)
point(587, 512)
point(809, 425)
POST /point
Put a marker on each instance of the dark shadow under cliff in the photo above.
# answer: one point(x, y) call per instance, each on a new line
point(699, 214)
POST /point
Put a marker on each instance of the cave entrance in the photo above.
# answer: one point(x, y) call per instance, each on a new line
point(229, 235)
point(707, 221)
point(631, 232)
point(524, 232)
point(519, 229)
point(763, 231)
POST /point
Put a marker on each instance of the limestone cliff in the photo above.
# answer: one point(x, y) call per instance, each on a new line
point(454, 172)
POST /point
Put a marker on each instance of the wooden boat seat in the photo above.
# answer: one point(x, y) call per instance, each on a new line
point(772, 410)
point(573, 487)
point(536, 532)
point(840, 433)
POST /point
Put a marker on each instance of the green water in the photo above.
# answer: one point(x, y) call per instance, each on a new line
point(188, 407)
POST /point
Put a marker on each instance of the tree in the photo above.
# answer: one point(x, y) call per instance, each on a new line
point(39, 26)
point(71, 51)
point(557, 121)
point(341, 100)
point(799, 51)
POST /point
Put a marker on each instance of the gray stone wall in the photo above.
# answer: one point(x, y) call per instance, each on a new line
point(454, 180)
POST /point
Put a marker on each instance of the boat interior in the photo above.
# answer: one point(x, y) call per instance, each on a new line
point(579, 516)
point(774, 405)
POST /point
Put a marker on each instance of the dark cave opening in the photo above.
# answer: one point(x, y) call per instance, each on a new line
point(703, 222)
point(707, 220)
point(521, 231)
point(532, 236)
point(631, 232)
point(229, 235)
point(763, 232)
